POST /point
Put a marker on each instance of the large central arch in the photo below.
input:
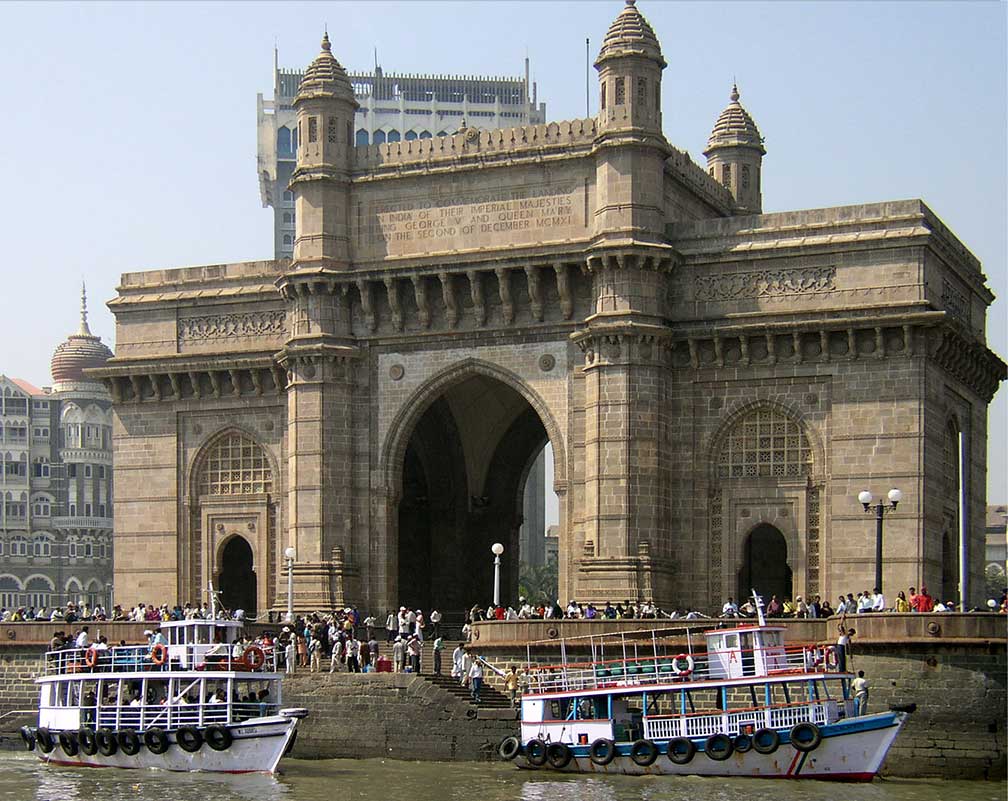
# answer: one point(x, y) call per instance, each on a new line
point(458, 458)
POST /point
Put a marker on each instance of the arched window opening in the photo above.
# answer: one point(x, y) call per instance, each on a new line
point(284, 141)
point(361, 137)
point(425, 135)
point(393, 136)
point(235, 465)
point(378, 138)
point(411, 135)
point(765, 443)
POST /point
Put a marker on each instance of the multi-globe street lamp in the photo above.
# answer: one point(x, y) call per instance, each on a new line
point(865, 498)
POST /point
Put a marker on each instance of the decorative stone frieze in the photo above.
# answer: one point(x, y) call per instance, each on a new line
point(269, 323)
point(764, 283)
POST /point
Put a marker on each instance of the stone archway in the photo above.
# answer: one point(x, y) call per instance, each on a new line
point(463, 472)
point(236, 578)
point(764, 564)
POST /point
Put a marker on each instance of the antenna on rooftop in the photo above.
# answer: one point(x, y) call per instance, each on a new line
point(587, 75)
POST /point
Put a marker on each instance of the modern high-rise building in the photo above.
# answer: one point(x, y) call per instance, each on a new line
point(56, 481)
point(394, 107)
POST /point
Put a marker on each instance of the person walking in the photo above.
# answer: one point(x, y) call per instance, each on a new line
point(438, 645)
point(398, 655)
point(315, 655)
point(435, 621)
point(458, 658)
point(391, 627)
point(290, 654)
point(353, 654)
point(511, 684)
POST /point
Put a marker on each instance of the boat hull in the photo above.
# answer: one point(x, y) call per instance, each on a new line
point(850, 750)
point(257, 747)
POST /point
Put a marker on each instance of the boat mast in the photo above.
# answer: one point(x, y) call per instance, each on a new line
point(758, 600)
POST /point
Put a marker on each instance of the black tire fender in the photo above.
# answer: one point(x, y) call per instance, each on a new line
point(742, 743)
point(643, 753)
point(602, 751)
point(681, 750)
point(718, 747)
point(509, 748)
point(805, 737)
point(28, 738)
point(535, 752)
point(107, 742)
point(765, 741)
point(189, 739)
point(88, 740)
point(68, 742)
point(156, 740)
point(45, 740)
point(129, 742)
point(218, 737)
point(558, 755)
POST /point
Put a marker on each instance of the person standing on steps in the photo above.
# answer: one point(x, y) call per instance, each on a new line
point(458, 658)
point(511, 684)
point(475, 679)
point(398, 655)
point(438, 645)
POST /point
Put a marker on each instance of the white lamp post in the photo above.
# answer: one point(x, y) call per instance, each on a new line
point(865, 499)
point(497, 549)
point(289, 554)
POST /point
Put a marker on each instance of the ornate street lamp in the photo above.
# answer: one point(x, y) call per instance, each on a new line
point(497, 549)
point(865, 498)
point(289, 554)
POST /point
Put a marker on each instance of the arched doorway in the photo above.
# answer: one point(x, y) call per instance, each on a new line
point(464, 472)
point(765, 564)
point(237, 580)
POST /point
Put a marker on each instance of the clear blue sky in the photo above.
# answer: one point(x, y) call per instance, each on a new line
point(128, 140)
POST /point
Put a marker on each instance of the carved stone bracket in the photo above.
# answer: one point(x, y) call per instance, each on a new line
point(393, 302)
point(448, 296)
point(476, 293)
point(563, 290)
point(504, 290)
point(370, 319)
point(420, 295)
point(535, 299)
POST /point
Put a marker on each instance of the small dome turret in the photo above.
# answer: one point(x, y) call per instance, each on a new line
point(79, 352)
point(735, 155)
point(630, 35)
point(325, 76)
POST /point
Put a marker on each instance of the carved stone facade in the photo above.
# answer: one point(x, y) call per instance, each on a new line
point(717, 385)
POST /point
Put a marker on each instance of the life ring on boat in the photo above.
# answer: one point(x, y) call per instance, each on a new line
point(129, 742)
point(156, 740)
point(254, 657)
point(742, 743)
point(44, 739)
point(189, 739)
point(602, 751)
point(28, 738)
point(218, 737)
point(107, 742)
point(643, 753)
point(765, 741)
point(68, 742)
point(159, 654)
point(558, 755)
point(805, 737)
point(681, 750)
point(91, 657)
point(88, 741)
point(718, 747)
point(509, 748)
point(535, 752)
point(683, 665)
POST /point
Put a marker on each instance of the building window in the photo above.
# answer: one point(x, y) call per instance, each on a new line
point(642, 91)
point(72, 548)
point(42, 547)
point(393, 136)
point(312, 129)
point(41, 508)
point(411, 135)
point(87, 471)
point(40, 467)
point(620, 91)
point(711, 170)
point(362, 137)
point(72, 471)
point(287, 239)
point(18, 546)
point(72, 510)
point(283, 141)
point(101, 471)
point(745, 176)
point(764, 443)
point(88, 549)
point(235, 465)
point(331, 130)
point(378, 138)
point(101, 510)
point(603, 95)
point(288, 196)
point(726, 175)
point(2, 548)
point(87, 510)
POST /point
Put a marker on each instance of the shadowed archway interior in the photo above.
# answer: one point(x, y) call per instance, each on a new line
point(237, 580)
point(765, 564)
point(463, 480)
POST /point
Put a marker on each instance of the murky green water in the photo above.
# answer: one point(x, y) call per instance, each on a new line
point(23, 778)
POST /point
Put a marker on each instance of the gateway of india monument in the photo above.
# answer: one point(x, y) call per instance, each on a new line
point(717, 384)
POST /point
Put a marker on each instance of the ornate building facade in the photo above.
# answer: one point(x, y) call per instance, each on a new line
point(717, 383)
point(56, 481)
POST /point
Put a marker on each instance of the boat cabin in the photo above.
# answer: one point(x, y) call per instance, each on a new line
point(745, 651)
point(190, 641)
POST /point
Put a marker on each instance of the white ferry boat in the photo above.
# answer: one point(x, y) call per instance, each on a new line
point(748, 705)
point(185, 704)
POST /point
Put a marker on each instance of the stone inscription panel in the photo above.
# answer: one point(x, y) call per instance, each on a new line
point(471, 219)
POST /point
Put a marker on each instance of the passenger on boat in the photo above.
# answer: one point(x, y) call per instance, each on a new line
point(860, 687)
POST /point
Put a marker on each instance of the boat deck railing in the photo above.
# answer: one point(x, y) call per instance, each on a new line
point(704, 724)
point(678, 667)
point(166, 716)
point(133, 658)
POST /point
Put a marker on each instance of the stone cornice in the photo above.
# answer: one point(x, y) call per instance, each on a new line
point(967, 360)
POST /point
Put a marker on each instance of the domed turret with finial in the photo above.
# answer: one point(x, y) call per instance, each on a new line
point(735, 155)
point(79, 352)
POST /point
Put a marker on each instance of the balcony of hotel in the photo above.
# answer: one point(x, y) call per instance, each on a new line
point(82, 522)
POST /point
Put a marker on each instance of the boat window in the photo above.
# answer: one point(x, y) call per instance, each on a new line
point(731, 641)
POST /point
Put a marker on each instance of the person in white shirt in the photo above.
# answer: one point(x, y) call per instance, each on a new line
point(337, 651)
point(458, 657)
point(391, 626)
point(475, 680)
point(435, 620)
point(864, 603)
point(82, 640)
point(860, 687)
point(730, 609)
point(878, 601)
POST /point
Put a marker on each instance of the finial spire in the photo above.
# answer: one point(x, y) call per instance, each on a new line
point(734, 92)
point(83, 330)
point(325, 41)
point(631, 2)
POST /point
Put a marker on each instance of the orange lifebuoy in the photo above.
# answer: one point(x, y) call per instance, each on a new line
point(159, 654)
point(91, 657)
point(254, 657)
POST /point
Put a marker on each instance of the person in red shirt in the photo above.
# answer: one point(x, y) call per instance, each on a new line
point(499, 612)
point(922, 602)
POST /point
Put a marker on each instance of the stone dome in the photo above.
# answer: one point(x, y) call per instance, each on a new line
point(79, 352)
point(325, 76)
point(630, 35)
point(735, 128)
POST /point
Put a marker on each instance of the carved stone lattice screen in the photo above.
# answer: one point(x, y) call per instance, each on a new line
point(235, 465)
point(764, 443)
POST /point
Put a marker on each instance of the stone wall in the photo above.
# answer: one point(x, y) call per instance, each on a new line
point(396, 716)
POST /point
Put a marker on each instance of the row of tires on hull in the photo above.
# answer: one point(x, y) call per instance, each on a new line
point(107, 742)
point(681, 750)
